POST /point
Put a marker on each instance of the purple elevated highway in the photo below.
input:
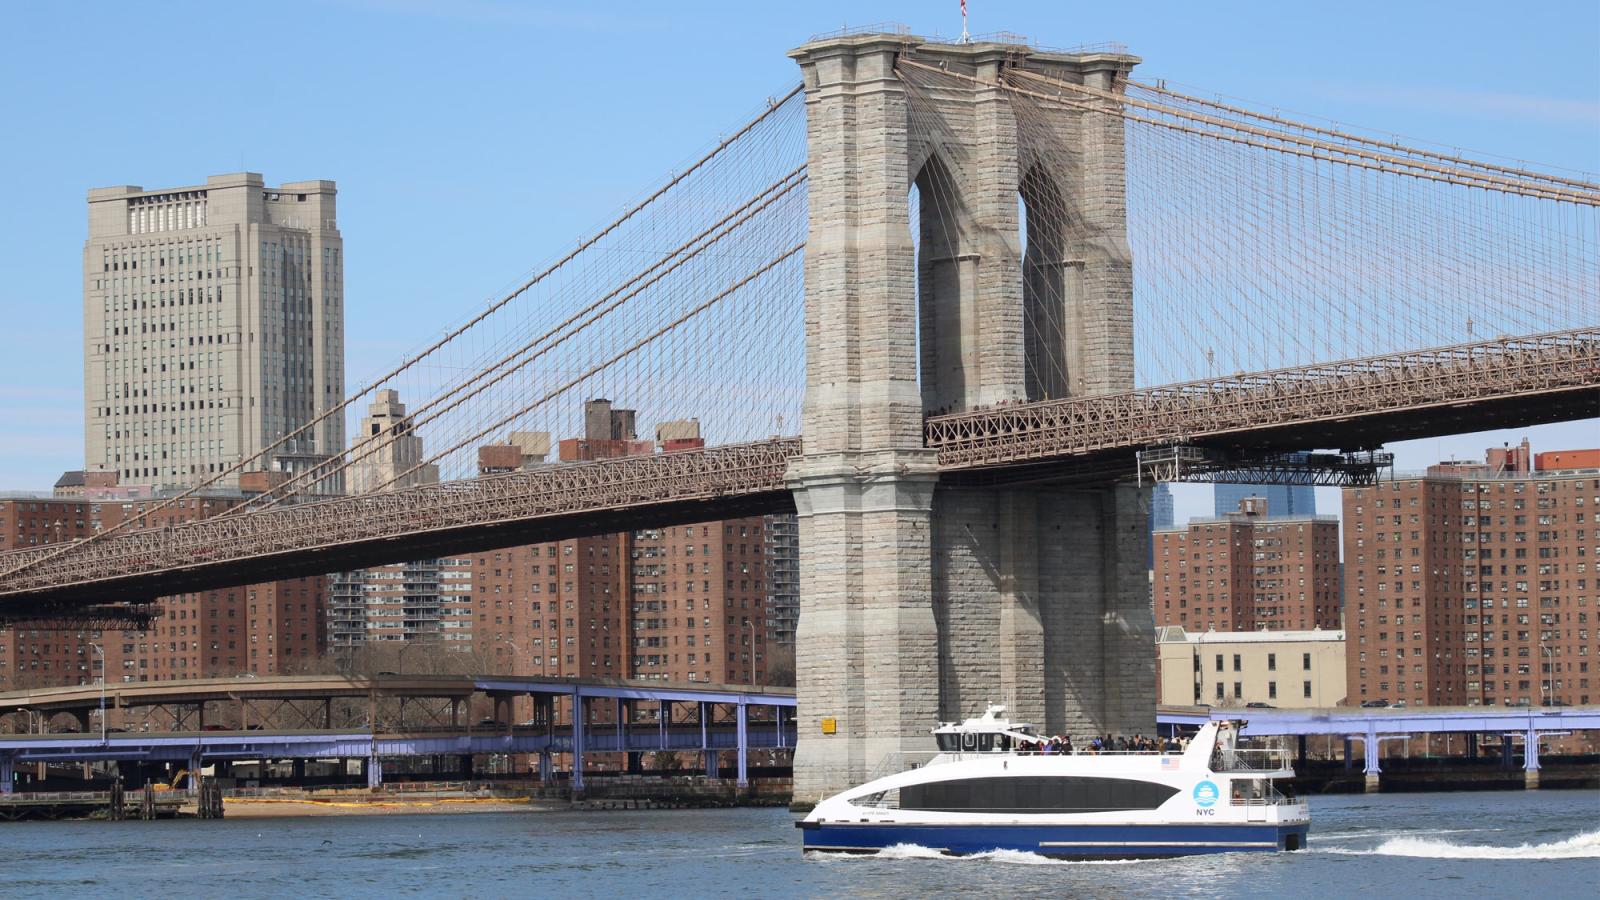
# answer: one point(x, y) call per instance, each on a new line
point(1373, 726)
point(705, 719)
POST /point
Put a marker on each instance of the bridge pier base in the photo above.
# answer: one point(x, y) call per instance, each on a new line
point(374, 771)
point(922, 599)
point(8, 773)
point(547, 767)
point(1042, 603)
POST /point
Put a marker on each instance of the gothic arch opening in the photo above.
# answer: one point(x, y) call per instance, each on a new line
point(1051, 325)
point(946, 279)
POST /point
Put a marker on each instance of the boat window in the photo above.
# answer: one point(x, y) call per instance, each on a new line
point(948, 741)
point(1036, 794)
point(973, 741)
point(1246, 789)
point(881, 800)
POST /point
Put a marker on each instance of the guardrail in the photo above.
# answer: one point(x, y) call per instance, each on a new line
point(1251, 760)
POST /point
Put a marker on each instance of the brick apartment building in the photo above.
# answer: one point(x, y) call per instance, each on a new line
point(1474, 583)
point(262, 628)
point(685, 603)
point(1248, 571)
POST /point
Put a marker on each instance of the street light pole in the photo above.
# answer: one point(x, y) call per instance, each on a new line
point(1544, 681)
point(101, 651)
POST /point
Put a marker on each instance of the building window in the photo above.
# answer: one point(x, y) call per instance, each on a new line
point(1305, 663)
point(1272, 662)
point(1236, 666)
point(1305, 687)
point(1272, 690)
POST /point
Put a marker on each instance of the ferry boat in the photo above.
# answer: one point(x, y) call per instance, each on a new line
point(988, 789)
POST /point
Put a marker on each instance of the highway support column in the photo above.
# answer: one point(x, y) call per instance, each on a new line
point(1530, 760)
point(1373, 752)
point(708, 756)
point(744, 746)
point(580, 725)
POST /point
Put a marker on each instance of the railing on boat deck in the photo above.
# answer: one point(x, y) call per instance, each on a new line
point(895, 762)
point(1264, 759)
point(1259, 792)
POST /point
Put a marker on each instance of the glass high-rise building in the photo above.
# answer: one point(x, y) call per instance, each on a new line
point(1282, 499)
point(1161, 514)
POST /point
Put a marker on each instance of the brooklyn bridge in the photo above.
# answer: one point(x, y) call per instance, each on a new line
point(942, 300)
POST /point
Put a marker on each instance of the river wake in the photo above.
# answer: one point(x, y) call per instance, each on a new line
point(1581, 846)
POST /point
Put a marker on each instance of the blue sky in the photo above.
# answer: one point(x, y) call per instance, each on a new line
point(473, 139)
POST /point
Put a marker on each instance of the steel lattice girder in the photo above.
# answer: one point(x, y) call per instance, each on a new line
point(1052, 432)
point(561, 489)
point(1178, 414)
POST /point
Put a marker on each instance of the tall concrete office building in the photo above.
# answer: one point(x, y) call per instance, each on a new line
point(387, 453)
point(213, 327)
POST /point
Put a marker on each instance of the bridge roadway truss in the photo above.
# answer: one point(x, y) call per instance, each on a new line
point(1373, 726)
point(1350, 404)
point(543, 737)
point(1356, 403)
point(549, 503)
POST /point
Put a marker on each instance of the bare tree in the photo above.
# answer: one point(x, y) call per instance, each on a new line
point(780, 665)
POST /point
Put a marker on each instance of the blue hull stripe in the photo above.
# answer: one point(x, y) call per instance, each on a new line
point(1056, 840)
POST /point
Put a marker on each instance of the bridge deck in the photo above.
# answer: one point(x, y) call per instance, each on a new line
point(1354, 403)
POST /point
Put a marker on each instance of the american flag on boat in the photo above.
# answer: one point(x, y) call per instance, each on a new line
point(1168, 764)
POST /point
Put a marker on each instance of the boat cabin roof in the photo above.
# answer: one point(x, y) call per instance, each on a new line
point(989, 732)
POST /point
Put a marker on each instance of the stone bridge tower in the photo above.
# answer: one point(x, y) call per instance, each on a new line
point(923, 600)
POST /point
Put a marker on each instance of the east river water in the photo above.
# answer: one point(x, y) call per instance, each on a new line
point(1534, 844)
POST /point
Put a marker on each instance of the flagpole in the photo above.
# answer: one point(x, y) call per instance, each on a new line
point(965, 38)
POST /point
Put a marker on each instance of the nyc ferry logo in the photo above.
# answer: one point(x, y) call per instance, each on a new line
point(1205, 794)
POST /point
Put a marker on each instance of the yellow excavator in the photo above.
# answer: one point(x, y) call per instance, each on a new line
point(177, 779)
